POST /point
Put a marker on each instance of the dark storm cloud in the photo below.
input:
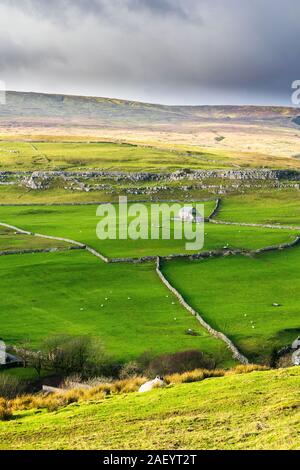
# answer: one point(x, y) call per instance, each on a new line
point(160, 50)
point(159, 7)
point(60, 9)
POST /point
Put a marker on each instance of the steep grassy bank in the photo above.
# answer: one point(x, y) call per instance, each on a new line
point(259, 410)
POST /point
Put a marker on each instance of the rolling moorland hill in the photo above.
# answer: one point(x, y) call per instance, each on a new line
point(41, 108)
point(248, 135)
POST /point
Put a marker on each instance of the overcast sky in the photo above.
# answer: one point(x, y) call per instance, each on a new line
point(167, 51)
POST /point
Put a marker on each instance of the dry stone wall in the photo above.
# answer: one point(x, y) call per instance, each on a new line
point(215, 210)
point(235, 352)
point(41, 179)
point(245, 224)
point(38, 250)
point(214, 253)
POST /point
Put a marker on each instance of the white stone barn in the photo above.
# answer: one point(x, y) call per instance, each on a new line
point(189, 214)
point(7, 359)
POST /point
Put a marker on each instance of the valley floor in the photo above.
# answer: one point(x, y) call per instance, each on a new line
point(85, 295)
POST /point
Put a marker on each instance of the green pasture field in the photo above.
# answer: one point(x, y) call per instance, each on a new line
point(23, 195)
point(264, 207)
point(235, 294)
point(259, 410)
point(10, 240)
point(25, 374)
point(76, 156)
point(79, 223)
point(73, 292)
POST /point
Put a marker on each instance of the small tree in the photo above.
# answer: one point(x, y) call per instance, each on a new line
point(10, 386)
point(30, 358)
point(74, 354)
point(67, 354)
point(22, 350)
point(274, 356)
point(37, 361)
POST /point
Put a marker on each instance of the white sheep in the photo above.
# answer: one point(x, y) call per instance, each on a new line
point(157, 382)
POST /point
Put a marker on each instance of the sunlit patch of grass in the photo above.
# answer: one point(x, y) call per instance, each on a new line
point(259, 410)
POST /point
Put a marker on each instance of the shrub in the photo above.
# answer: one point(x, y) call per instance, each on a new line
point(131, 369)
point(131, 385)
point(95, 394)
point(23, 402)
point(5, 410)
point(194, 375)
point(9, 386)
point(53, 402)
point(100, 380)
point(285, 361)
point(246, 368)
point(82, 355)
point(274, 357)
point(179, 362)
point(70, 380)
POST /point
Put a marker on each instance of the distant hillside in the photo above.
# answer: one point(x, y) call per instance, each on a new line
point(42, 108)
point(255, 136)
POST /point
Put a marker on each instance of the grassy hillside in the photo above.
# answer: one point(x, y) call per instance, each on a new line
point(259, 410)
point(102, 156)
point(75, 293)
point(126, 152)
point(88, 108)
point(32, 155)
point(256, 136)
point(235, 294)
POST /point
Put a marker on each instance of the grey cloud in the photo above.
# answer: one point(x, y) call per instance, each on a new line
point(60, 7)
point(161, 7)
point(14, 56)
point(159, 50)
